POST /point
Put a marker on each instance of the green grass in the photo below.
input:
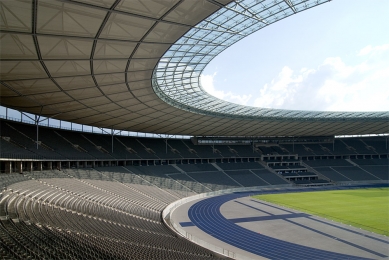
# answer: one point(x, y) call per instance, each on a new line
point(364, 208)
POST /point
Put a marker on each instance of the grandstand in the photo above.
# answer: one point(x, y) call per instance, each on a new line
point(119, 196)
point(123, 66)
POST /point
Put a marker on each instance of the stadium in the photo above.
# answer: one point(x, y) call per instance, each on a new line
point(154, 167)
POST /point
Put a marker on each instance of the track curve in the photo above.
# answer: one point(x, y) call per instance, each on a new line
point(206, 215)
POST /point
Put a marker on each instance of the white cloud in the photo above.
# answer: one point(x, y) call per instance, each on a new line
point(365, 50)
point(207, 83)
point(333, 86)
point(369, 49)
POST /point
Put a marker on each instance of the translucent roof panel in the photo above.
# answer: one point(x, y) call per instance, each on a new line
point(177, 74)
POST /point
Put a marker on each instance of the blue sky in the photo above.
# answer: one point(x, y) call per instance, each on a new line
point(334, 57)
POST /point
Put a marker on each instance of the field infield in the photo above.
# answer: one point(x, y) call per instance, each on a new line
point(363, 208)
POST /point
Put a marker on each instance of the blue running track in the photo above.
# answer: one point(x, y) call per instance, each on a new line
point(206, 215)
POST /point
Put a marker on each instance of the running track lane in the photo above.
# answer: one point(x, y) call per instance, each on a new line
point(206, 215)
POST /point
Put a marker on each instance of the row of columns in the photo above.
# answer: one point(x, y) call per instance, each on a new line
point(354, 156)
point(18, 165)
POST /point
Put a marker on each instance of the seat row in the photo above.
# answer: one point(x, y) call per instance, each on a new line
point(70, 218)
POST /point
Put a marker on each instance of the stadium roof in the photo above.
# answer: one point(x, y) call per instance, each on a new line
point(135, 65)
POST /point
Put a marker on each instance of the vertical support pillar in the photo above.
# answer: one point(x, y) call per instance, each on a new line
point(37, 132)
point(68, 164)
point(19, 167)
point(39, 166)
point(77, 164)
point(58, 166)
point(112, 140)
point(49, 165)
point(124, 163)
point(8, 167)
point(29, 167)
point(93, 164)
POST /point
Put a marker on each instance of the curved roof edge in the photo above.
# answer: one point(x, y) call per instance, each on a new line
point(176, 78)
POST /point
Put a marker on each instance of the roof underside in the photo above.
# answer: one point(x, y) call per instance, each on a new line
point(99, 63)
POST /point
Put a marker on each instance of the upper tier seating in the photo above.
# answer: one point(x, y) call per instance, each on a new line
point(328, 162)
point(339, 147)
point(203, 151)
point(138, 147)
point(296, 149)
point(84, 141)
point(379, 144)
point(274, 150)
point(196, 167)
point(239, 166)
point(58, 144)
point(10, 150)
point(245, 150)
point(359, 146)
point(63, 144)
point(183, 149)
point(27, 139)
point(266, 150)
point(159, 147)
point(316, 149)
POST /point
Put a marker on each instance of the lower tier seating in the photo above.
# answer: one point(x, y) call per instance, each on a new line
point(82, 216)
point(115, 212)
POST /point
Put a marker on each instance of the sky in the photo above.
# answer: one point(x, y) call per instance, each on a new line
point(334, 57)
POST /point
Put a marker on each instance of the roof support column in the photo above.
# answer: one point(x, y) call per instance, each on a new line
point(37, 120)
point(112, 133)
point(37, 130)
